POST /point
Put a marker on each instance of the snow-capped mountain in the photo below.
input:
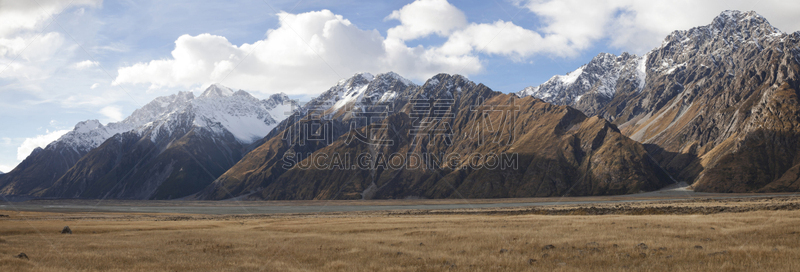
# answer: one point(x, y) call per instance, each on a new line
point(715, 104)
point(362, 93)
point(358, 90)
point(352, 103)
point(593, 84)
point(539, 132)
point(89, 134)
point(219, 111)
point(219, 108)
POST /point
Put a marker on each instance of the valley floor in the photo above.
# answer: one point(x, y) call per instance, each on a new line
point(734, 234)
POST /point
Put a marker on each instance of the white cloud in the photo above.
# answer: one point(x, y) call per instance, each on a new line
point(505, 38)
point(424, 17)
point(39, 141)
point(639, 26)
point(86, 64)
point(94, 86)
point(113, 113)
point(24, 51)
point(307, 52)
point(18, 16)
point(26, 56)
point(302, 57)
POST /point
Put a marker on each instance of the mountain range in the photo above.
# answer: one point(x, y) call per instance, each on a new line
point(715, 106)
point(169, 148)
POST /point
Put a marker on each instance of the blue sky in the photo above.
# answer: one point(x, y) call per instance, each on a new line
point(62, 62)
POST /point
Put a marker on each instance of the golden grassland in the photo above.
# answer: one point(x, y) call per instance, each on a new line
point(759, 238)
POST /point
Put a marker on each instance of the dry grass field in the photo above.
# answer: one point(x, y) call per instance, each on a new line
point(735, 235)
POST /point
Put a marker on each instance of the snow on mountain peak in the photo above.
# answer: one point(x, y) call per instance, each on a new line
point(571, 77)
point(449, 80)
point(599, 77)
point(88, 125)
point(394, 76)
point(219, 109)
point(356, 79)
point(731, 26)
point(243, 115)
point(357, 91)
point(217, 90)
point(366, 76)
point(346, 91)
point(737, 16)
point(739, 21)
point(157, 109)
point(528, 91)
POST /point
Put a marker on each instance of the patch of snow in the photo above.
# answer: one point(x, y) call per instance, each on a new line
point(393, 75)
point(528, 91)
point(350, 98)
point(641, 71)
point(388, 96)
point(571, 77)
point(433, 82)
point(367, 76)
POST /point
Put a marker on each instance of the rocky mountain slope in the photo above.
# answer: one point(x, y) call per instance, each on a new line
point(593, 85)
point(558, 151)
point(716, 108)
point(352, 103)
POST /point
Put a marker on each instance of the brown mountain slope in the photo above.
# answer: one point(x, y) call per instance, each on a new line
point(717, 106)
point(320, 117)
point(713, 104)
point(550, 150)
point(767, 157)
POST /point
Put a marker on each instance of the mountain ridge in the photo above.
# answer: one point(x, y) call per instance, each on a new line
point(708, 90)
point(43, 168)
point(263, 173)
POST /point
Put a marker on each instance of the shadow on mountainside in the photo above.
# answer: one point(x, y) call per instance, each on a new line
point(683, 167)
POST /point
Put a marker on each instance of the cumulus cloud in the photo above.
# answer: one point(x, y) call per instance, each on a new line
point(303, 57)
point(86, 64)
point(638, 26)
point(424, 17)
point(113, 113)
point(507, 39)
point(38, 141)
point(317, 48)
point(320, 47)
